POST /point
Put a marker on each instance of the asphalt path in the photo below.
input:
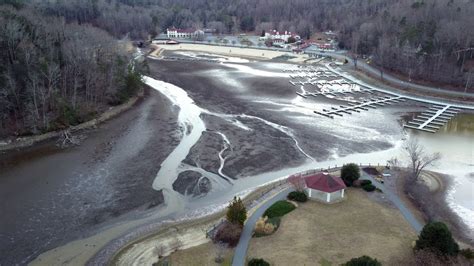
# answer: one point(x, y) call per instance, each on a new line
point(240, 254)
point(241, 250)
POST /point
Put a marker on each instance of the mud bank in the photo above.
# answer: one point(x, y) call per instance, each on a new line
point(24, 142)
point(430, 196)
point(51, 196)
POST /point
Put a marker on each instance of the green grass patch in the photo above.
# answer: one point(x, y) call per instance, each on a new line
point(279, 209)
point(325, 262)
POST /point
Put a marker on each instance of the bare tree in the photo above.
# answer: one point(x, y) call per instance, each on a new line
point(418, 158)
point(298, 182)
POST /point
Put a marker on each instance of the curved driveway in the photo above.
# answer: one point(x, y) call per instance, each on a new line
point(415, 224)
point(241, 250)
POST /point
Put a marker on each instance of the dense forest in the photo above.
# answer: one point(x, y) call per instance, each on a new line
point(54, 74)
point(429, 40)
point(67, 49)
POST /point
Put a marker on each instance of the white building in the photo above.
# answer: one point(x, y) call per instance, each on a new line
point(276, 35)
point(183, 33)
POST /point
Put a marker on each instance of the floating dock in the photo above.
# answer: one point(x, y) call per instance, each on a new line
point(433, 119)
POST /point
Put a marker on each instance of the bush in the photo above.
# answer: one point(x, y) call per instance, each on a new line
point(299, 196)
point(436, 236)
point(229, 233)
point(258, 262)
point(361, 183)
point(369, 187)
point(279, 209)
point(428, 257)
point(467, 253)
point(236, 212)
point(350, 173)
point(363, 261)
point(263, 227)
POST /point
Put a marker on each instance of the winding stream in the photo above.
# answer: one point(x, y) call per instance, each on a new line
point(193, 126)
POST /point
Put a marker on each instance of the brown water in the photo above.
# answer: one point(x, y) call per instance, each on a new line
point(455, 142)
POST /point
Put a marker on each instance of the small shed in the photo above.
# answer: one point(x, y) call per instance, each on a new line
point(324, 187)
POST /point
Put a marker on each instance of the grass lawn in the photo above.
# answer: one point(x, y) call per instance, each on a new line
point(279, 209)
point(320, 234)
point(199, 255)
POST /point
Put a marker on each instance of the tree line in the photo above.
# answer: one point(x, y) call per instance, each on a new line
point(55, 73)
point(428, 40)
point(58, 54)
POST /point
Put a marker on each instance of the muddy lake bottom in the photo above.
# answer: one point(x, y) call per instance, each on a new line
point(256, 129)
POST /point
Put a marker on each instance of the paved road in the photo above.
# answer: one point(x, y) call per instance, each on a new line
point(397, 201)
point(361, 65)
point(241, 250)
point(410, 97)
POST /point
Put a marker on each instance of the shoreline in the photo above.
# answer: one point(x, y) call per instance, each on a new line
point(192, 232)
point(93, 248)
point(440, 95)
point(254, 53)
point(435, 186)
point(112, 239)
point(111, 112)
point(435, 182)
point(242, 52)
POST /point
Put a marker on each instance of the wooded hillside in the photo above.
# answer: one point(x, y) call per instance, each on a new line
point(54, 56)
point(429, 40)
point(54, 74)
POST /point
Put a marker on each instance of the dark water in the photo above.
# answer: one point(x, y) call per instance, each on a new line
point(50, 196)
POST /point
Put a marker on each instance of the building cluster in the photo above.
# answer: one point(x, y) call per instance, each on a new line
point(282, 37)
point(326, 41)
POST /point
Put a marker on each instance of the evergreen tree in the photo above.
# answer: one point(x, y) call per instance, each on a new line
point(436, 237)
point(236, 212)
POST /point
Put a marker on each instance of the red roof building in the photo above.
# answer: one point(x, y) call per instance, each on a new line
point(324, 187)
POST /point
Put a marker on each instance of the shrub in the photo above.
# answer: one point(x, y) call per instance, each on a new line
point(467, 253)
point(265, 226)
point(229, 233)
point(363, 261)
point(260, 225)
point(364, 182)
point(437, 237)
point(350, 173)
point(258, 262)
point(299, 196)
point(236, 212)
point(279, 209)
point(369, 187)
point(268, 229)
